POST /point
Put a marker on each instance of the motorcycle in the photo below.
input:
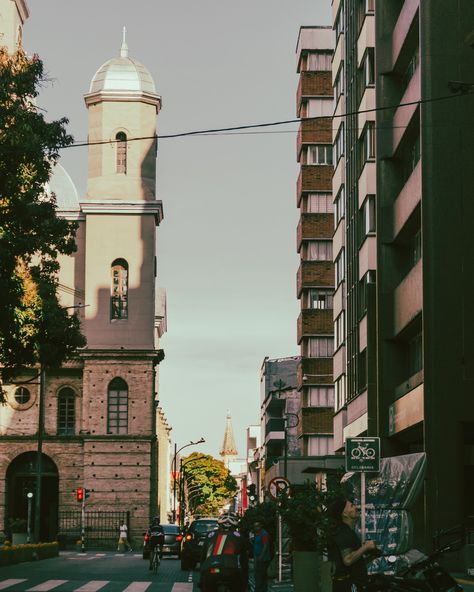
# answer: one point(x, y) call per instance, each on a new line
point(423, 574)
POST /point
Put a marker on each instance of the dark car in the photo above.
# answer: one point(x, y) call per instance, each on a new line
point(172, 544)
point(193, 541)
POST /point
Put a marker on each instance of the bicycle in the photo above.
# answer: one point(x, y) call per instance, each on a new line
point(155, 559)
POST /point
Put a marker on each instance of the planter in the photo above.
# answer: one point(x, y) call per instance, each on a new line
point(310, 572)
point(19, 538)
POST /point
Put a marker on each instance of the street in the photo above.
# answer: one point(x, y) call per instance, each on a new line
point(97, 571)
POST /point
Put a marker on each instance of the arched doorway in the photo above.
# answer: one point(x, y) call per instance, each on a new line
point(20, 479)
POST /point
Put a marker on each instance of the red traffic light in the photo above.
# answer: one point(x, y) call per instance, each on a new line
point(80, 494)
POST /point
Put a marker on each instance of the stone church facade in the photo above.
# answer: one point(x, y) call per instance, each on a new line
point(101, 408)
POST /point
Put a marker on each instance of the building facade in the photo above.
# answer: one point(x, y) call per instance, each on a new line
point(315, 278)
point(101, 408)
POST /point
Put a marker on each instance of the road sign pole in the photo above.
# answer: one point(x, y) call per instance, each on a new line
point(280, 548)
point(362, 505)
point(83, 522)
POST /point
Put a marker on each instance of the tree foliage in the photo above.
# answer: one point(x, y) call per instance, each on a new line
point(34, 328)
point(209, 484)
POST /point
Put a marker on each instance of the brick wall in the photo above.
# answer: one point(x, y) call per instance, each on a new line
point(313, 274)
point(315, 322)
point(314, 226)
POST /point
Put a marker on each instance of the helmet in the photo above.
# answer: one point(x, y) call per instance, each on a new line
point(155, 520)
point(228, 520)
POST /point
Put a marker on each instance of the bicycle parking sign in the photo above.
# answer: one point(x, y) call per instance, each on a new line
point(363, 454)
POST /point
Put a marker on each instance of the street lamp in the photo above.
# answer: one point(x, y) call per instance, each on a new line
point(29, 497)
point(176, 451)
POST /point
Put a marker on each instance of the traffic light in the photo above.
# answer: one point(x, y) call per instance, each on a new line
point(86, 493)
point(80, 494)
point(251, 493)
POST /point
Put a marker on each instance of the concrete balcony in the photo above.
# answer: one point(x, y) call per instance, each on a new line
point(314, 274)
point(408, 298)
point(316, 371)
point(407, 200)
point(403, 115)
point(313, 131)
point(315, 322)
point(367, 102)
point(339, 237)
point(314, 226)
point(366, 37)
point(339, 176)
point(406, 411)
point(402, 26)
point(315, 420)
point(367, 181)
point(313, 84)
point(274, 429)
point(367, 256)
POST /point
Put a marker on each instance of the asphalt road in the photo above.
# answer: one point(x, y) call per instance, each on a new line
point(97, 572)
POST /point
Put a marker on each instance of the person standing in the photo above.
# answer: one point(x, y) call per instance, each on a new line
point(123, 537)
point(348, 551)
point(261, 556)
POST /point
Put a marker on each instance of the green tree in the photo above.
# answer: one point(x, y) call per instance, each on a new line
point(209, 484)
point(34, 328)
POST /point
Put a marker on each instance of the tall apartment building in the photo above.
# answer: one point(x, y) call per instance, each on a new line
point(354, 244)
point(315, 278)
point(404, 362)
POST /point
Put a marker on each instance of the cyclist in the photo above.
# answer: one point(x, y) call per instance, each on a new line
point(157, 538)
point(223, 556)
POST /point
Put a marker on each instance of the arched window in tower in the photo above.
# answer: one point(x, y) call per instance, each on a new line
point(66, 412)
point(119, 290)
point(117, 407)
point(121, 142)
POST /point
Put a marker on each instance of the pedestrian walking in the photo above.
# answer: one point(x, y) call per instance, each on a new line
point(347, 550)
point(261, 556)
point(123, 538)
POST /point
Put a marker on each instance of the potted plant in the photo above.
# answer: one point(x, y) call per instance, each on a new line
point(17, 527)
point(309, 528)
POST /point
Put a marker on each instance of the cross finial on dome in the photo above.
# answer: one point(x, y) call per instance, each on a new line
point(124, 48)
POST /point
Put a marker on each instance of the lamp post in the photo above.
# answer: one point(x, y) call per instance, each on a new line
point(29, 497)
point(176, 451)
point(182, 484)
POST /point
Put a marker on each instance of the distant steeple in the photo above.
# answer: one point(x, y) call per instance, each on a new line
point(229, 450)
point(124, 48)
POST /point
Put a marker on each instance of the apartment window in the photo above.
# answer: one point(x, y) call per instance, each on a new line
point(320, 396)
point(416, 247)
point(339, 82)
point(340, 392)
point(22, 395)
point(319, 299)
point(368, 214)
point(368, 67)
point(364, 7)
point(320, 445)
point(318, 203)
point(316, 62)
point(319, 347)
point(340, 268)
point(415, 354)
point(362, 370)
point(368, 142)
point(121, 152)
point(340, 329)
point(117, 407)
point(411, 68)
point(339, 144)
point(318, 154)
point(317, 250)
point(119, 290)
point(369, 278)
point(340, 205)
point(66, 412)
point(339, 21)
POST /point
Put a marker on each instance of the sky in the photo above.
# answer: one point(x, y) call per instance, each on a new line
point(227, 245)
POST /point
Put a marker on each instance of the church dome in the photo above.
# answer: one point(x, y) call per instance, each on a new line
point(122, 75)
point(60, 183)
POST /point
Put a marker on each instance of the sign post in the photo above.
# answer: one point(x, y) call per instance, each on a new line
point(362, 456)
point(278, 487)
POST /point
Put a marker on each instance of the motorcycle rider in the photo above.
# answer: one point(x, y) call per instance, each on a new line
point(156, 537)
point(223, 556)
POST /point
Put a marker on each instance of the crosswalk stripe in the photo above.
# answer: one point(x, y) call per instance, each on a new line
point(11, 582)
point(182, 587)
point(48, 585)
point(137, 587)
point(92, 586)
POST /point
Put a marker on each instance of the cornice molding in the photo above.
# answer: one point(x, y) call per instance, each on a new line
point(116, 206)
point(125, 96)
point(22, 8)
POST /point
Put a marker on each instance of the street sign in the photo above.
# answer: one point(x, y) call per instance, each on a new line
point(277, 487)
point(363, 454)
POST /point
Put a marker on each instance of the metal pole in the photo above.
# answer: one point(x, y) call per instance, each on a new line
point(39, 455)
point(362, 506)
point(280, 545)
point(29, 495)
point(83, 521)
point(174, 483)
point(285, 465)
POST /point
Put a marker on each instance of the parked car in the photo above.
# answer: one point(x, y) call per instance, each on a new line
point(172, 544)
point(193, 541)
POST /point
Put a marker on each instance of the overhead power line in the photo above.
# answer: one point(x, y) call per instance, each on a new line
point(237, 128)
